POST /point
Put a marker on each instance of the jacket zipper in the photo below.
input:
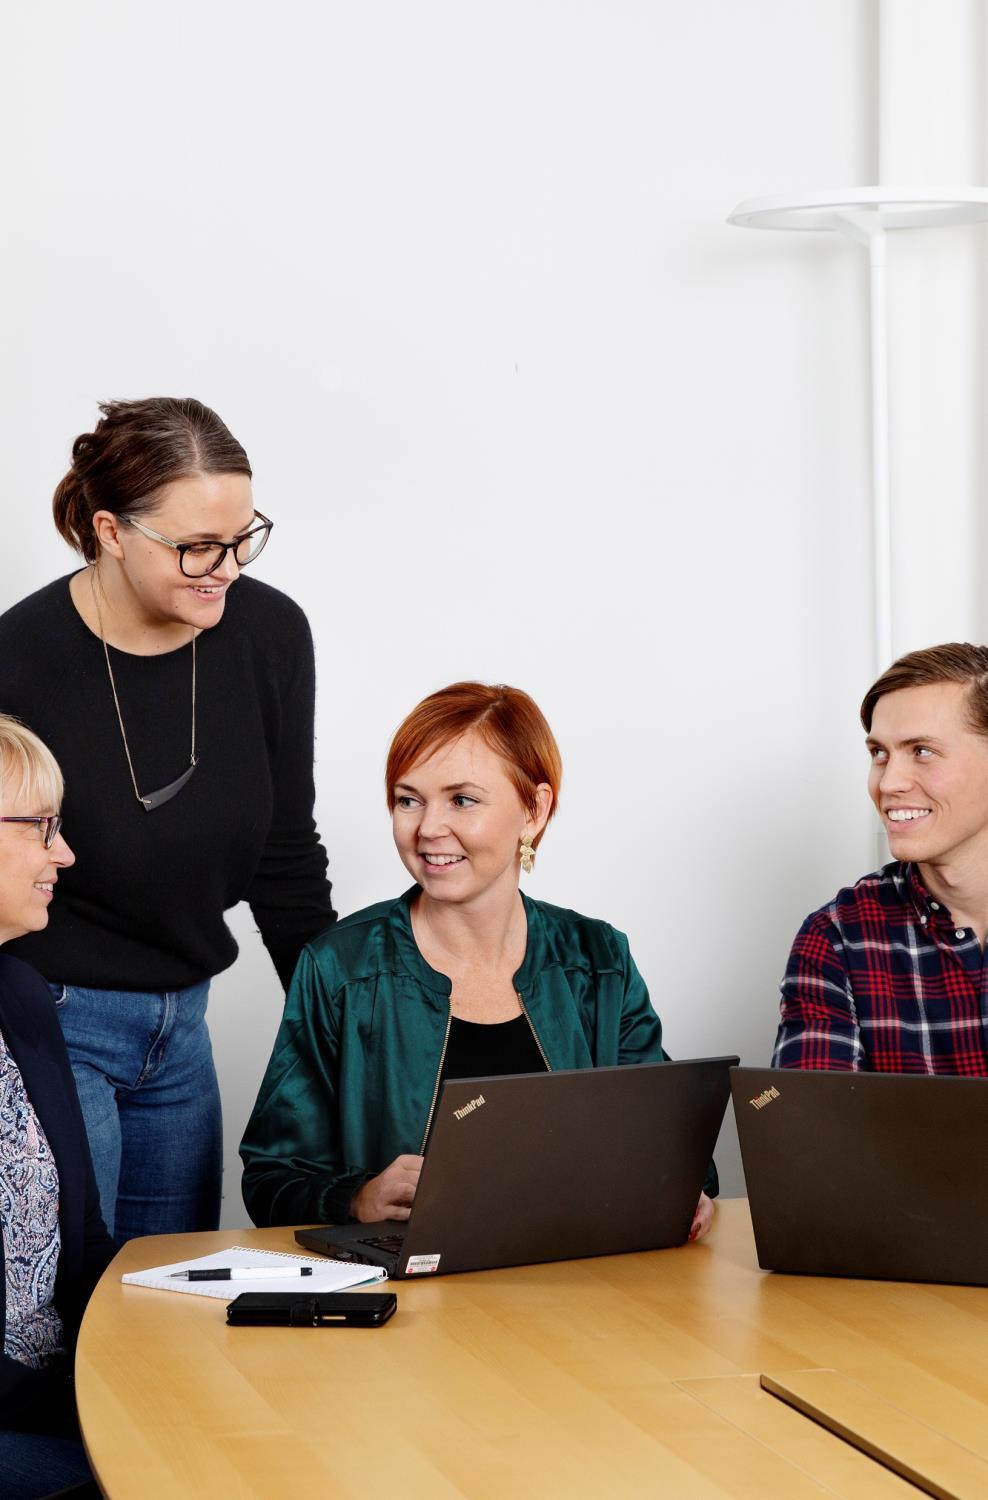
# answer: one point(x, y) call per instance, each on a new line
point(439, 1074)
point(548, 1065)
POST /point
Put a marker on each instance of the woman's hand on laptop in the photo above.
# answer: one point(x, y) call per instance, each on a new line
point(702, 1219)
point(388, 1195)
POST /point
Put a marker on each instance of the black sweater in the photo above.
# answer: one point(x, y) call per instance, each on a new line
point(142, 908)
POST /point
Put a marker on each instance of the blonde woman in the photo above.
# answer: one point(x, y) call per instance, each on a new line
point(54, 1244)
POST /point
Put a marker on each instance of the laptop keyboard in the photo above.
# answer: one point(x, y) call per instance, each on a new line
point(390, 1243)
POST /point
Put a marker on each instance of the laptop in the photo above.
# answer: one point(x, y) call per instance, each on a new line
point(551, 1166)
point(872, 1175)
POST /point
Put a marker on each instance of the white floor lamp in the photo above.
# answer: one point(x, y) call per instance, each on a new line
point(865, 215)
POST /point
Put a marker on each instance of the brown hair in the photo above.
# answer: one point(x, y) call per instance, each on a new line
point(506, 718)
point(137, 447)
point(957, 661)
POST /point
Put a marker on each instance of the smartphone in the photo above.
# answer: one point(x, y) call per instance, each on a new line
point(317, 1310)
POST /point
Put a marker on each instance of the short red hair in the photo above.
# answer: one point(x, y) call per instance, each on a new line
point(507, 719)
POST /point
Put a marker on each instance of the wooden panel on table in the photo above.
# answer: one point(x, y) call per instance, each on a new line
point(813, 1450)
point(923, 1347)
point(894, 1437)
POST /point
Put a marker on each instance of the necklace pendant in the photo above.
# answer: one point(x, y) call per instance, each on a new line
point(165, 793)
point(151, 800)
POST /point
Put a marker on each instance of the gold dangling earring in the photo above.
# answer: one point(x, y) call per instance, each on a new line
point(527, 854)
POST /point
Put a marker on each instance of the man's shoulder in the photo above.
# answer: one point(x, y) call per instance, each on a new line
point(879, 896)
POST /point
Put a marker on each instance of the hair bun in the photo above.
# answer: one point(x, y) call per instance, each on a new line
point(136, 449)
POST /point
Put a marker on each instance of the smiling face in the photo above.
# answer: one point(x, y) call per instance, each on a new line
point(929, 775)
point(28, 871)
point(203, 507)
point(458, 821)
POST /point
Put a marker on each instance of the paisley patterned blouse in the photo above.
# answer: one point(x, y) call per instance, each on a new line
point(29, 1215)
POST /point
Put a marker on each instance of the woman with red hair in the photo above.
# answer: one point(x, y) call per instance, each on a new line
point(461, 977)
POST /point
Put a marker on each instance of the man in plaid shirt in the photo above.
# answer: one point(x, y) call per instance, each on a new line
point(889, 975)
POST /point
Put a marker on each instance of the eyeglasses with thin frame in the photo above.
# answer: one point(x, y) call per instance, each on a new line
point(199, 559)
point(50, 826)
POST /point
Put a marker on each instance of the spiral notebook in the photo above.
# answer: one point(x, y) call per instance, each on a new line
point(327, 1275)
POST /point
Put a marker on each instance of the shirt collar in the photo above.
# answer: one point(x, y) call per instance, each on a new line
point(929, 911)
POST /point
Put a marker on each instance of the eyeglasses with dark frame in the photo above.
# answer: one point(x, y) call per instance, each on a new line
point(50, 826)
point(199, 559)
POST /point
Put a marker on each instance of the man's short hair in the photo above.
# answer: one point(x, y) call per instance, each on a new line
point(957, 661)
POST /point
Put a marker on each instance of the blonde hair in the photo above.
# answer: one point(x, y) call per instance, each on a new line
point(27, 767)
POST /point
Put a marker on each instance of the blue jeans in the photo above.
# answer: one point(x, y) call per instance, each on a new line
point(143, 1068)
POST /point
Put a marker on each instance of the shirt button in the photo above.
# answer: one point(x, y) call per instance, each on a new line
point(960, 933)
point(935, 905)
point(923, 920)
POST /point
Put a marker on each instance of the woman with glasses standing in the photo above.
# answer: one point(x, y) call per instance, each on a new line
point(178, 698)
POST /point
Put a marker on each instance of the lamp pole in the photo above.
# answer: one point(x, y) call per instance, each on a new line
point(865, 215)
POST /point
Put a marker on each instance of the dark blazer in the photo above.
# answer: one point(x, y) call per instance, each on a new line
point(34, 1037)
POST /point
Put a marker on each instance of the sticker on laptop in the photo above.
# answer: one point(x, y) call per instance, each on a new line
point(421, 1265)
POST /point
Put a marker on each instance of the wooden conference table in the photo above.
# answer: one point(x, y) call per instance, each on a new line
point(634, 1375)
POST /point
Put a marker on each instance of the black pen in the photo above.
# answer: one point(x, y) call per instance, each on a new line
point(239, 1273)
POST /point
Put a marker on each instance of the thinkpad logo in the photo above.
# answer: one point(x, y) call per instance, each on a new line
point(766, 1098)
point(468, 1109)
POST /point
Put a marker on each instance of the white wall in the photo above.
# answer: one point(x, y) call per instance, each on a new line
point(522, 405)
point(932, 130)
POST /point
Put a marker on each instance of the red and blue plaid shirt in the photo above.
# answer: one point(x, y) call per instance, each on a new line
point(880, 979)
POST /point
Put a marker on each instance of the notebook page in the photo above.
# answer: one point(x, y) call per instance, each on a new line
point(327, 1275)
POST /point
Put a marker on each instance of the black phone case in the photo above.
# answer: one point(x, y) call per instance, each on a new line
point(317, 1310)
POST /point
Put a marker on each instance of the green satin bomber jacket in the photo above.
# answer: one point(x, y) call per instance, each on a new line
point(353, 1077)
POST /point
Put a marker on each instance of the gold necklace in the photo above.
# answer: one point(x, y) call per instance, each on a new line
point(150, 800)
